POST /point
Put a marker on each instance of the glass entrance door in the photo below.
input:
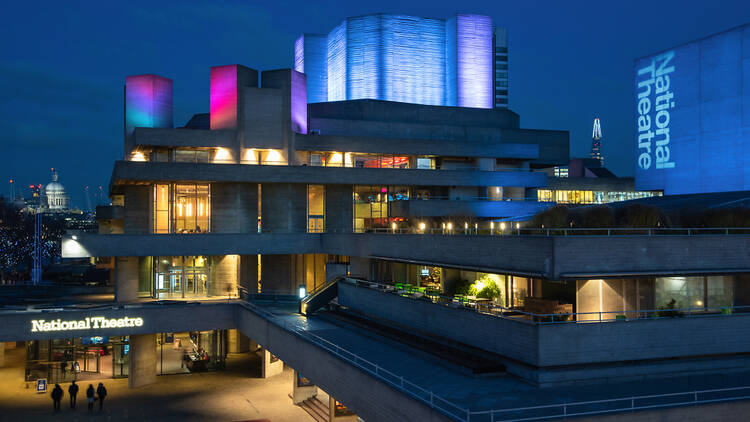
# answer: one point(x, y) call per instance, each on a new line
point(178, 277)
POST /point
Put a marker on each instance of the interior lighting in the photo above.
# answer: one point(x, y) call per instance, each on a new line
point(222, 154)
point(421, 226)
point(497, 189)
point(502, 226)
point(137, 156)
point(274, 158)
point(74, 237)
point(450, 226)
point(699, 302)
point(251, 156)
point(393, 226)
point(466, 225)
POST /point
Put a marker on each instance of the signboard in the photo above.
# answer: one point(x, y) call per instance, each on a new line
point(89, 323)
point(692, 116)
point(41, 385)
point(95, 340)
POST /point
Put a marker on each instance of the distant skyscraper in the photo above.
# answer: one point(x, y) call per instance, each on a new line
point(596, 142)
point(500, 67)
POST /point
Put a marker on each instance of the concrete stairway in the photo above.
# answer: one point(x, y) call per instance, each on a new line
point(319, 297)
point(316, 408)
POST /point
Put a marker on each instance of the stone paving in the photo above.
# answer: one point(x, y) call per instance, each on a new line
point(237, 394)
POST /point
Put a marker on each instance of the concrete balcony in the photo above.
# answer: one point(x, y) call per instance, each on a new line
point(466, 208)
point(566, 352)
point(551, 257)
point(130, 172)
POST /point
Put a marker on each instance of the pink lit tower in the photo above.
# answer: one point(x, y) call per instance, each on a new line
point(596, 142)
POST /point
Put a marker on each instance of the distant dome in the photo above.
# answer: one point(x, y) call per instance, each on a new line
point(57, 199)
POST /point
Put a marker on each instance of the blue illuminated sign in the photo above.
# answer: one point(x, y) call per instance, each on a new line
point(693, 116)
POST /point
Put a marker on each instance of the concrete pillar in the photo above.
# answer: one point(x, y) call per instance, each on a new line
point(237, 342)
point(360, 267)
point(284, 207)
point(279, 273)
point(2, 354)
point(249, 273)
point(340, 413)
point(223, 273)
point(142, 362)
point(126, 279)
point(137, 209)
point(302, 389)
point(271, 365)
point(339, 208)
point(234, 208)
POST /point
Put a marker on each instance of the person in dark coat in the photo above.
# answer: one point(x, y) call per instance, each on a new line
point(57, 394)
point(101, 392)
point(90, 397)
point(73, 392)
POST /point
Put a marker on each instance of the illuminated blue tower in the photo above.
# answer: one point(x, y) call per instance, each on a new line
point(401, 58)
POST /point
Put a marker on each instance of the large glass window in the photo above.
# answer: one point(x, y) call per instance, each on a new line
point(371, 205)
point(182, 208)
point(316, 218)
point(192, 155)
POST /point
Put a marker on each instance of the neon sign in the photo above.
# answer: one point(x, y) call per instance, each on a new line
point(43, 325)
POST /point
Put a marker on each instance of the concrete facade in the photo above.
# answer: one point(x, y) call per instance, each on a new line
point(142, 361)
point(234, 208)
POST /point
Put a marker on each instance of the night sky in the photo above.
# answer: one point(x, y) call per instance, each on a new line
point(63, 65)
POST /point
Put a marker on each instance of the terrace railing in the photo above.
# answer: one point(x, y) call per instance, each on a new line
point(515, 314)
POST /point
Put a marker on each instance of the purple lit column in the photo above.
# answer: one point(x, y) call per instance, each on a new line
point(148, 102)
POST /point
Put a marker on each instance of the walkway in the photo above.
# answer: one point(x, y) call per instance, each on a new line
point(232, 395)
point(486, 392)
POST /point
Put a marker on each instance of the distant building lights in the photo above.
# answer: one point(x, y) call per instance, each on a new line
point(421, 226)
point(450, 226)
point(393, 227)
point(502, 226)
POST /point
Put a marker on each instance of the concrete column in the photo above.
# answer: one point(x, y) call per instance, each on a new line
point(342, 415)
point(142, 363)
point(271, 365)
point(360, 267)
point(249, 273)
point(237, 342)
point(301, 389)
point(137, 209)
point(2, 354)
point(284, 207)
point(234, 208)
point(339, 208)
point(126, 279)
point(223, 273)
point(278, 273)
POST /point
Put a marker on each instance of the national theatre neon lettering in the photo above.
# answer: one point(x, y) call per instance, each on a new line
point(89, 323)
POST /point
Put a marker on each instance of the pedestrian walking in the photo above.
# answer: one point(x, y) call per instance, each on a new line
point(57, 394)
point(90, 397)
point(102, 393)
point(73, 392)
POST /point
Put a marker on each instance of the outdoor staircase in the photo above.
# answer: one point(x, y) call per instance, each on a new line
point(320, 297)
point(316, 408)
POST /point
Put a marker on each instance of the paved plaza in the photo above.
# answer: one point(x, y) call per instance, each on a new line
point(237, 394)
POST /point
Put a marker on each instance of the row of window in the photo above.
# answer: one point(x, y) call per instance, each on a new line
point(589, 197)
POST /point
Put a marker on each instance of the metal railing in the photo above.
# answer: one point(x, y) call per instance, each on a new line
point(530, 413)
point(515, 314)
point(511, 229)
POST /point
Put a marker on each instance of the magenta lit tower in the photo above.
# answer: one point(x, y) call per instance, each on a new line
point(227, 83)
point(596, 142)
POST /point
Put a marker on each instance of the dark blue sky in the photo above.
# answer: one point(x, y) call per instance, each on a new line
point(63, 64)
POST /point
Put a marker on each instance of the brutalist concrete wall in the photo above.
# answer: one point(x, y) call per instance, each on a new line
point(284, 207)
point(137, 209)
point(650, 254)
point(339, 208)
point(515, 340)
point(234, 208)
point(626, 341)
